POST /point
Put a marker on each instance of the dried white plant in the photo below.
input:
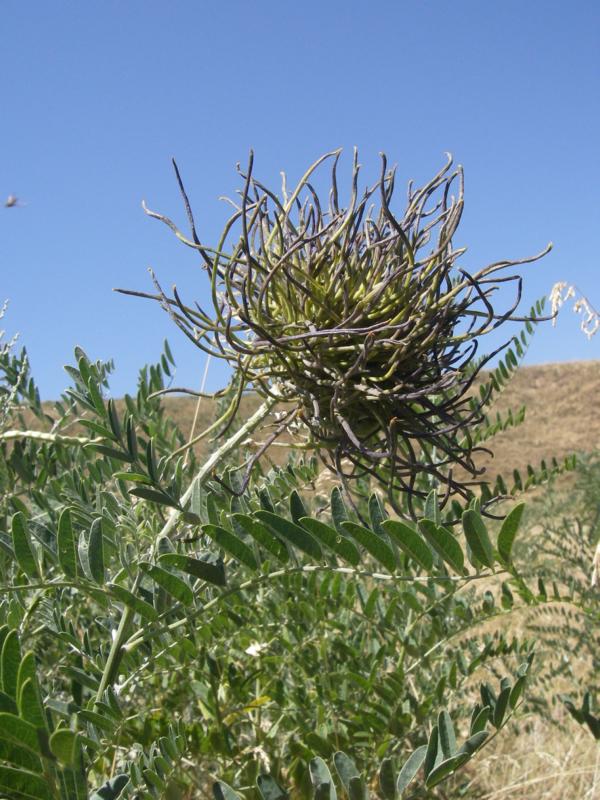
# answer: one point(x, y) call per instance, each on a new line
point(590, 323)
point(590, 318)
point(8, 393)
point(596, 567)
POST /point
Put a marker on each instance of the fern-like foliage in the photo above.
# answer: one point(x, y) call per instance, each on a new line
point(183, 630)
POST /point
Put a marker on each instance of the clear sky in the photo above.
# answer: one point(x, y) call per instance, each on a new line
point(96, 97)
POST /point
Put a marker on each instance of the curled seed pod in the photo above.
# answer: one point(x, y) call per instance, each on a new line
point(361, 320)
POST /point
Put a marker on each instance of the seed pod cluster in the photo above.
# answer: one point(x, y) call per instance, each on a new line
point(359, 319)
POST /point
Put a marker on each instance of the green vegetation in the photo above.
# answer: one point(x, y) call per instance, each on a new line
point(361, 621)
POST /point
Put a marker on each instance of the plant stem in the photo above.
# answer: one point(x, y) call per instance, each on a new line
point(234, 441)
point(43, 436)
point(116, 651)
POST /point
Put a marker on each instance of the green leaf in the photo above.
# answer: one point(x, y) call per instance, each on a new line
point(269, 789)
point(346, 769)
point(153, 780)
point(262, 535)
point(507, 598)
point(131, 600)
point(135, 477)
point(190, 518)
point(4, 629)
point(431, 756)
point(231, 544)
point(95, 395)
point(297, 509)
point(320, 776)
point(477, 537)
point(322, 791)
point(488, 696)
point(169, 582)
point(113, 418)
point(11, 661)
point(211, 509)
point(508, 531)
point(338, 509)
point(7, 703)
point(205, 570)
point(266, 503)
point(109, 452)
point(357, 789)
point(65, 545)
point(131, 439)
point(162, 765)
point(154, 496)
point(64, 744)
point(83, 677)
point(410, 768)
point(328, 536)
point(222, 791)
point(373, 544)
point(151, 461)
point(376, 514)
point(319, 744)
point(30, 704)
point(22, 546)
point(79, 398)
point(19, 756)
point(410, 542)
point(196, 498)
point(112, 789)
point(20, 732)
point(371, 604)
point(480, 720)
point(294, 534)
point(27, 670)
point(501, 706)
point(95, 551)
point(168, 352)
point(100, 721)
point(446, 734)
point(517, 691)
point(474, 742)
point(19, 783)
point(82, 551)
point(432, 509)
point(387, 779)
point(444, 769)
point(444, 543)
point(97, 428)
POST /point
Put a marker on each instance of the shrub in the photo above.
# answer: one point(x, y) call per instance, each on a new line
point(172, 625)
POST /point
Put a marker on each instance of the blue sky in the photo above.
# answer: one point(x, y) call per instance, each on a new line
point(95, 98)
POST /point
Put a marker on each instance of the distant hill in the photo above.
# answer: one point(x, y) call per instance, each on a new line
point(562, 414)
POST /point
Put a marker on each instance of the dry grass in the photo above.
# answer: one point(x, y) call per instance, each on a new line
point(540, 763)
point(561, 416)
point(538, 759)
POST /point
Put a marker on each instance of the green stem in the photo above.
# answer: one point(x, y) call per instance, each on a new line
point(116, 651)
point(43, 436)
